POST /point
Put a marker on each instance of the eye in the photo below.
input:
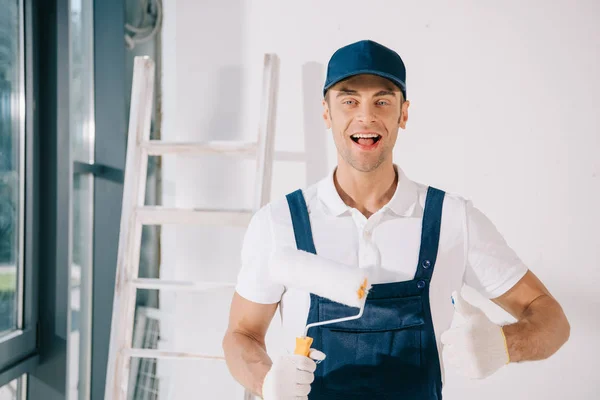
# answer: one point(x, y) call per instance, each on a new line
point(349, 102)
point(382, 102)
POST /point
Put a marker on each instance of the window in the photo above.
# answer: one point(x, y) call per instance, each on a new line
point(17, 306)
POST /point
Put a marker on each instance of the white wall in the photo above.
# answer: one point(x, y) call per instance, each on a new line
point(504, 110)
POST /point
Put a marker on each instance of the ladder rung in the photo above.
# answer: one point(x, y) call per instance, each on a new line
point(151, 283)
point(156, 215)
point(160, 147)
point(150, 353)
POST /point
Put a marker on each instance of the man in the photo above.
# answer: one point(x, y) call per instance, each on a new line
point(369, 214)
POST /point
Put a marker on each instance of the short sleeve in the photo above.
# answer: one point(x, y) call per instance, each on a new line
point(253, 282)
point(492, 267)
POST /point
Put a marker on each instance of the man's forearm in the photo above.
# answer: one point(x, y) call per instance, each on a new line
point(540, 332)
point(247, 360)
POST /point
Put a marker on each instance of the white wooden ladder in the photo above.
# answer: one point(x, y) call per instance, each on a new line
point(134, 214)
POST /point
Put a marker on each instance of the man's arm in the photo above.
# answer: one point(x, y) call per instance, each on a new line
point(244, 342)
point(542, 326)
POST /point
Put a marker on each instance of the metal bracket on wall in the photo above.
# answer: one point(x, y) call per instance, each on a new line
point(99, 171)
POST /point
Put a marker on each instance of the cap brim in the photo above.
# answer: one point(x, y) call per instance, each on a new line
point(389, 77)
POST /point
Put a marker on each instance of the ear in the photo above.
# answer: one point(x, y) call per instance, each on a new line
point(326, 116)
point(404, 114)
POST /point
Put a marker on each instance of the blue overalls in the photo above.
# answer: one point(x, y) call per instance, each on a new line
point(390, 352)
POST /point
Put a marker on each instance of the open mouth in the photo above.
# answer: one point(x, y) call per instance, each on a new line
point(368, 139)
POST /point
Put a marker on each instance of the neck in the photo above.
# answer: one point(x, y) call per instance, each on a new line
point(366, 191)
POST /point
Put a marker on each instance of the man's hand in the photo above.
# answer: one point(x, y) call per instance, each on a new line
point(290, 377)
point(476, 346)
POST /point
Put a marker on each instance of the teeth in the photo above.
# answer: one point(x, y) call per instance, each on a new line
point(365, 136)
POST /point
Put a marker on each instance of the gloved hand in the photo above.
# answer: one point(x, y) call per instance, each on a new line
point(476, 346)
point(290, 377)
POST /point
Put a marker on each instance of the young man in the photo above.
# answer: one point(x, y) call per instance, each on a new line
point(369, 214)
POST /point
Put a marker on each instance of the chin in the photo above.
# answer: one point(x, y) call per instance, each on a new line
point(366, 167)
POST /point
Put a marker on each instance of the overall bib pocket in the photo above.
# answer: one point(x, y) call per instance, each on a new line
point(387, 336)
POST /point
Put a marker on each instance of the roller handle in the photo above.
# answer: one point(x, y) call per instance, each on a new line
point(303, 345)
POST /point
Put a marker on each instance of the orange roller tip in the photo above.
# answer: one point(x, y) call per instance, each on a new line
point(303, 345)
point(362, 291)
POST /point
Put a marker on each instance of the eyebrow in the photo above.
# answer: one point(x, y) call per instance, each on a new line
point(346, 91)
point(385, 93)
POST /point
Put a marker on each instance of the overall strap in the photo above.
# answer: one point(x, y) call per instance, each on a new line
point(301, 222)
point(430, 233)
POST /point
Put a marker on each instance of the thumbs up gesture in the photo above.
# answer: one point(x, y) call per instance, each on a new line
point(476, 346)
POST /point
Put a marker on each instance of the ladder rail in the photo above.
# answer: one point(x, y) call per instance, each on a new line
point(134, 184)
point(266, 141)
point(266, 131)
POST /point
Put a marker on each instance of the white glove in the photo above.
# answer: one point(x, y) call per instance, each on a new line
point(290, 377)
point(476, 346)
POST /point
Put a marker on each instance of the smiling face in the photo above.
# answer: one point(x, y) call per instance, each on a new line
point(364, 113)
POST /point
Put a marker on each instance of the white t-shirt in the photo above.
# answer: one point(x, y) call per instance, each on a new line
point(471, 250)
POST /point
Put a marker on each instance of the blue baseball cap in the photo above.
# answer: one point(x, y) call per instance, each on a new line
point(366, 57)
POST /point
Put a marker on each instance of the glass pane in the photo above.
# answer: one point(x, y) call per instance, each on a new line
point(13, 390)
point(82, 150)
point(143, 380)
point(79, 339)
point(11, 128)
point(82, 81)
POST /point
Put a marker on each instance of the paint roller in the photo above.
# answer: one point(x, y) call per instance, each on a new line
point(309, 272)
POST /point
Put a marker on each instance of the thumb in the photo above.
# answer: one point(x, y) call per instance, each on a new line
point(463, 307)
point(316, 355)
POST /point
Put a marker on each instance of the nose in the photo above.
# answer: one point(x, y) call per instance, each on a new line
point(366, 113)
